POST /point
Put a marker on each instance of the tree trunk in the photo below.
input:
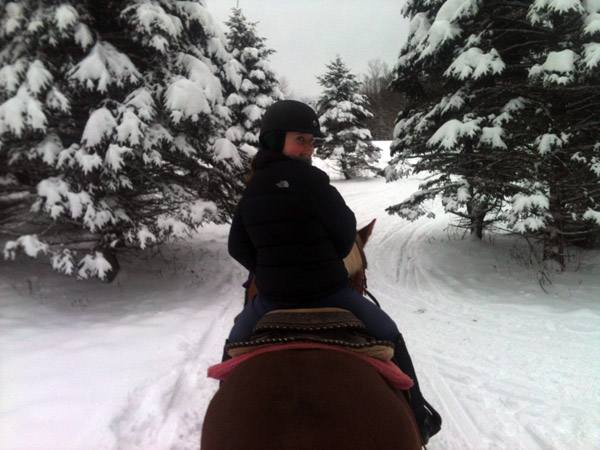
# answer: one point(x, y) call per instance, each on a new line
point(476, 218)
point(554, 240)
point(477, 225)
point(345, 170)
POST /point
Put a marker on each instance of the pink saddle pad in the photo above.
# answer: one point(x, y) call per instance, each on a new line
point(387, 369)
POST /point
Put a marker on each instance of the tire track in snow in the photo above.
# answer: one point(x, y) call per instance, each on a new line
point(168, 411)
point(441, 312)
point(450, 406)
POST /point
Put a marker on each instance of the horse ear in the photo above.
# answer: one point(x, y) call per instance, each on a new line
point(366, 231)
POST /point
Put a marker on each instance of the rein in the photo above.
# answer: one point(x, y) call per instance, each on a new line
point(372, 297)
point(358, 282)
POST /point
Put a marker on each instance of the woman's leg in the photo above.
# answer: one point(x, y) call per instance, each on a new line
point(378, 324)
point(381, 326)
point(246, 321)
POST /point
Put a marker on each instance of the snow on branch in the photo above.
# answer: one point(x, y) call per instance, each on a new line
point(10, 75)
point(216, 47)
point(63, 261)
point(559, 68)
point(475, 63)
point(562, 7)
point(115, 156)
point(54, 194)
point(450, 132)
point(131, 129)
point(29, 243)
point(93, 266)
point(186, 100)
point(37, 76)
point(528, 212)
point(99, 127)
point(592, 20)
point(14, 19)
point(200, 73)
point(142, 102)
point(453, 103)
point(224, 149)
point(547, 142)
point(144, 235)
point(232, 70)
point(593, 215)
point(83, 36)
point(65, 16)
point(591, 54)
point(20, 112)
point(506, 112)
point(197, 12)
point(149, 18)
point(202, 210)
point(57, 101)
point(49, 149)
point(445, 26)
point(171, 226)
point(493, 136)
point(104, 66)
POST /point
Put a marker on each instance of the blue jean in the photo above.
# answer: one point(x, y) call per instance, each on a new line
point(378, 324)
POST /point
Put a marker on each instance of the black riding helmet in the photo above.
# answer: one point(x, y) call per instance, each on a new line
point(284, 116)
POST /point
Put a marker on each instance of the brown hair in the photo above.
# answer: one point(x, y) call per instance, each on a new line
point(250, 174)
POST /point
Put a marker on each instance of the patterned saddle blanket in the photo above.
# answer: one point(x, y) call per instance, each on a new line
point(322, 328)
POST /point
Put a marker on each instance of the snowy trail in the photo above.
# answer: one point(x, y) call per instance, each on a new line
point(478, 356)
point(122, 366)
point(168, 411)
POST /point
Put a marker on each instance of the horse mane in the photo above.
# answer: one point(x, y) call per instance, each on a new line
point(355, 260)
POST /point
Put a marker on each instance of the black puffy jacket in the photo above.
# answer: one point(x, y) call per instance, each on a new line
point(292, 229)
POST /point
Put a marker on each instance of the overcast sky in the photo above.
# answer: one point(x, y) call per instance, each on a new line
point(308, 34)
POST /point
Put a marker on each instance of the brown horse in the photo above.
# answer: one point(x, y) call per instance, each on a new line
point(313, 399)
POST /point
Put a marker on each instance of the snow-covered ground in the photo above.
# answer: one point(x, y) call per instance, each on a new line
point(85, 365)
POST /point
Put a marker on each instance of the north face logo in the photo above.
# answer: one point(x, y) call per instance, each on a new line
point(282, 184)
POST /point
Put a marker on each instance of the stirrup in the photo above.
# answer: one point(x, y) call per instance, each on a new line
point(432, 423)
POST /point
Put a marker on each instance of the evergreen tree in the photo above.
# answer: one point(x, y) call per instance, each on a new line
point(259, 88)
point(502, 112)
point(111, 122)
point(564, 135)
point(342, 111)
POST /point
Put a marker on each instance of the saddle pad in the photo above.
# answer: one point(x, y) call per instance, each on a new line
point(309, 319)
point(381, 350)
point(387, 369)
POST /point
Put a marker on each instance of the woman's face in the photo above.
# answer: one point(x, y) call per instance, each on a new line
point(299, 144)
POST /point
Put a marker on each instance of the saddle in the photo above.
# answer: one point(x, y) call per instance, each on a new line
point(329, 326)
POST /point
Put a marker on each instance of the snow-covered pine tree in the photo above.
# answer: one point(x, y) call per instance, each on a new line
point(488, 97)
point(343, 112)
point(449, 69)
point(111, 122)
point(259, 87)
point(564, 134)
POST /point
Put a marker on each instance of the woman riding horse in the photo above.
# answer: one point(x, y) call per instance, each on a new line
point(292, 230)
